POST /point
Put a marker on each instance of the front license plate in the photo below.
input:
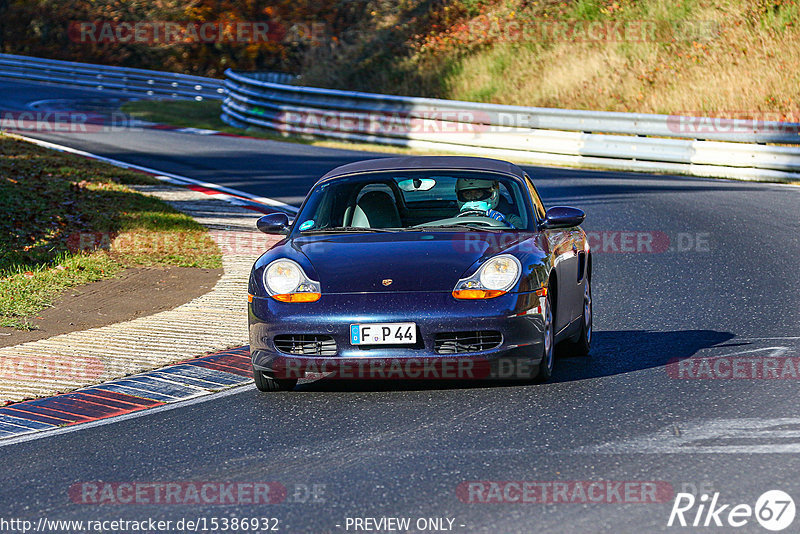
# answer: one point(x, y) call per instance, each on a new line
point(383, 334)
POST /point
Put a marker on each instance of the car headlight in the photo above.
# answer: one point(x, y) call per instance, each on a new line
point(286, 281)
point(492, 279)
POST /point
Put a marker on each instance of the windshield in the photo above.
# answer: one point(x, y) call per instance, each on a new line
point(416, 200)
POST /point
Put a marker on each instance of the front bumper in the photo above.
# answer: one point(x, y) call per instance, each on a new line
point(517, 316)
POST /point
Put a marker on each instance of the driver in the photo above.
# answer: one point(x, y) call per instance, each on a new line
point(474, 194)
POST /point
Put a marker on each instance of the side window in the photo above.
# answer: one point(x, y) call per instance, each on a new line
point(538, 206)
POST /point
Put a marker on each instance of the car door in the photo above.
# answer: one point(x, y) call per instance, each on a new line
point(566, 265)
point(564, 246)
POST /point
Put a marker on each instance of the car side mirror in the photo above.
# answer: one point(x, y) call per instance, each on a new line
point(562, 217)
point(274, 223)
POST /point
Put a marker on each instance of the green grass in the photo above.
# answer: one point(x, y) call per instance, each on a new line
point(186, 113)
point(779, 16)
point(586, 10)
point(70, 221)
point(192, 114)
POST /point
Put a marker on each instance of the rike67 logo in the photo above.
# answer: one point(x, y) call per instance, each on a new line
point(774, 510)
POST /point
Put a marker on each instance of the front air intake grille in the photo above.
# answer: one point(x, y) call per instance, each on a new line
point(457, 342)
point(306, 344)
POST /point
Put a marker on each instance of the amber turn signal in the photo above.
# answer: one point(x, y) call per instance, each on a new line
point(477, 293)
point(298, 297)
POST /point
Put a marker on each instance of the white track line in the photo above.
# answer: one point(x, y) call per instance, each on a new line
point(161, 175)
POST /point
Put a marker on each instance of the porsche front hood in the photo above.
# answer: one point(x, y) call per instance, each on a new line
point(402, 261)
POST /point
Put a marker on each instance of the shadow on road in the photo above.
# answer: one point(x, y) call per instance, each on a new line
point(622, 351)
point(613, 352)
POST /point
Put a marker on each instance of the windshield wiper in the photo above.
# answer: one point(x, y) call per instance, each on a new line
point(455, 227)
point(346, 229)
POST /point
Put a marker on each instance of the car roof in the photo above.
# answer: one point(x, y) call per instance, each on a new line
point(467, 163)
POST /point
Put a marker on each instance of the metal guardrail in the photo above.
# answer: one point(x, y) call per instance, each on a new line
point(701, 146)
point(138, 82)
point(625, 141)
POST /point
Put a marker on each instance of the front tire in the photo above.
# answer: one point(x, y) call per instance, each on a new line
point(548, 357)
point(268, 383)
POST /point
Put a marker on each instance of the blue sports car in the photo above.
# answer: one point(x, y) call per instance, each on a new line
point(420, 267)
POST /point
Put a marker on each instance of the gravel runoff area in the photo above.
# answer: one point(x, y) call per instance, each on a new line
point(214, 321)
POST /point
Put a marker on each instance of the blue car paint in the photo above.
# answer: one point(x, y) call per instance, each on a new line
point(424, 267)
point(424, 272)
point(515, 315)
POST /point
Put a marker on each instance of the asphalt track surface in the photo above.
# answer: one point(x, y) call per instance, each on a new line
point(401, 449)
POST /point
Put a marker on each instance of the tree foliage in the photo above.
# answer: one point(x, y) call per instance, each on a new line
point(43, 28)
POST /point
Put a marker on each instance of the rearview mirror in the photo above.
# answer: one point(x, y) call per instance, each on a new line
point(274, 223)
point(416, 184)
point(562, 217)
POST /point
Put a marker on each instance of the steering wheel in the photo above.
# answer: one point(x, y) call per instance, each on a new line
point(472, 213)
point(468, 217)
